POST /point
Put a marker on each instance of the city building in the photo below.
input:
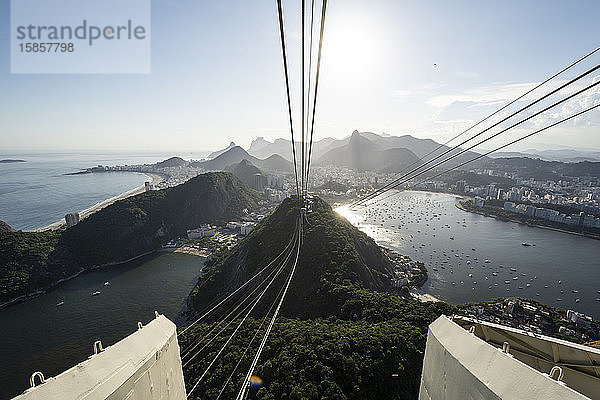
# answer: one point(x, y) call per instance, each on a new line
point(479, 202)
point(247, 227)
point(203, 230)
point(72, 219)
point(259, 182)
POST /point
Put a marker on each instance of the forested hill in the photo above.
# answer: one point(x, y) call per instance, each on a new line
point(141, 223)
point(30, 261)
point(334, 253)
point(342, 336)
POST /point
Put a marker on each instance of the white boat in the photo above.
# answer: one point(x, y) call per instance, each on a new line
point(96, 293)
point(60, 303)
point(107, 283)
point(487, 261)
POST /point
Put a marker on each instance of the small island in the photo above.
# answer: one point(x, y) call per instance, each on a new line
point(10, 161)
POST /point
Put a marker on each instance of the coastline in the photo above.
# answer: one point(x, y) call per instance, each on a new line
point(43, 290)
point(422, 296)
point(460, 207)
point(154, 180)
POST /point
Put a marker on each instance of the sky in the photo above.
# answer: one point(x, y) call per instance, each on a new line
point(429, 69)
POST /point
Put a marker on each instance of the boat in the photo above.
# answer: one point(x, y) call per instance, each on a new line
point(516, 278)
point(574, 291)
point(96, 293)
point(487, 261)
point(577, 300)
point(526, 244)
point(60, 303)
point(107, 283)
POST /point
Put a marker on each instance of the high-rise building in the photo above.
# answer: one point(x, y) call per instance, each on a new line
point(259, 182)
point(72, 219)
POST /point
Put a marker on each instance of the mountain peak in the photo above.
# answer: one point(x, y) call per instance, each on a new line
point(217, 153)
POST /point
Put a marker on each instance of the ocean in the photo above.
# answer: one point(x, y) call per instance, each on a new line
point(37, 193)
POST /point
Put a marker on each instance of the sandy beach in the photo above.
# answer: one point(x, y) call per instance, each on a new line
point(154, 180)
point(185, 249)
point(418, 294)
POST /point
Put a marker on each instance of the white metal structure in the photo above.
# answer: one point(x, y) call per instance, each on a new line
point(144, 366)
point(469, 359)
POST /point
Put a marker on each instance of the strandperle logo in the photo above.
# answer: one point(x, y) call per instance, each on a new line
point(85, 31)
point(80, 36)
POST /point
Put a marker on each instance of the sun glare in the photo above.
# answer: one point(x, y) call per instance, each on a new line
point(352, 47)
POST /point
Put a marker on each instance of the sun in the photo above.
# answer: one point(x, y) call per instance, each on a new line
point(352, 48)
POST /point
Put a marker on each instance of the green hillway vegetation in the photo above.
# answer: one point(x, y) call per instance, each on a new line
point(30, 261)
point(342, 335)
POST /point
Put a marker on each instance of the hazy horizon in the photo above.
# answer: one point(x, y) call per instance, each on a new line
point(217, 77)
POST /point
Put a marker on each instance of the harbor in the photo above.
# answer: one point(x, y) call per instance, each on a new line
point(470, 257)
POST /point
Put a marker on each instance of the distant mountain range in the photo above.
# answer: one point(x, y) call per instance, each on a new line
point(273, 163)
point(562, 155)
point(360, 150)
point(364, 155)
point(528, 167)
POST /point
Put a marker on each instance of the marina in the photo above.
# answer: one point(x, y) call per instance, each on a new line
point(558, 269)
